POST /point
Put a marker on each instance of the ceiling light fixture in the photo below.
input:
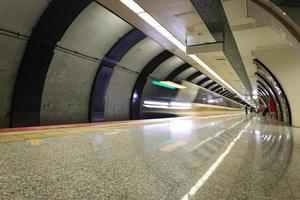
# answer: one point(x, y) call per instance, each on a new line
point(207, 68)
point(132, 5)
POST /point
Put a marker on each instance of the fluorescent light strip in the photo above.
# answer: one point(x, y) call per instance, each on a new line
point(155, 106)
point(207, 68)
point(132, 5)
point(158, 103)
point(181, 104)
point(149, 19)
point(167, 107)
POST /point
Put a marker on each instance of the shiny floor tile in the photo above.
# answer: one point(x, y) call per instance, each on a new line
point(237, 157)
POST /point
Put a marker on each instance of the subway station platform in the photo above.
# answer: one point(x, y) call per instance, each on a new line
point(212, 157)
point(149, 100)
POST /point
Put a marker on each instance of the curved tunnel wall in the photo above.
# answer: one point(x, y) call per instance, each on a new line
point(21, 21)
point(264, 73)
point(118, 98)
point(56, 68)
point(272, 92)
point(105, 72)
point(26, 102)
point(68, 85)
point(284, 64)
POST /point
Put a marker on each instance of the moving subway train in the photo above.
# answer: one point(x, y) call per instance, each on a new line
point(164, 101)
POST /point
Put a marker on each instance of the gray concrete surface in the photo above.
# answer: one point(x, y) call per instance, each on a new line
point(165, 68)
point(117, 106)
point(186, 73)
point(20, 19)
point(66, 93)
point(68, 84)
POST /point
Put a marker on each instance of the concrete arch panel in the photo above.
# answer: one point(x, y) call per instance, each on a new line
point(140, 55)
point(70, 77)
point(186, 73)
point(67, 89)
point(94, 31)
point(117, 106)
point(167, 67)
point(19, 19)
point(199, 78)
point(21, 16)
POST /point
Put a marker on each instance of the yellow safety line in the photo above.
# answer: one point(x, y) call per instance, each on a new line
point(34, 135)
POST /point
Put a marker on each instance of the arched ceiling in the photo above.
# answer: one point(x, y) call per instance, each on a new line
point(186, 73)
point(21, 16)
point(206, 83)
point(145, 49)
point(166, 67)
point(66, 51)
point(183, 11)
point(19, 19)
point(199, 78)
point(94, 31)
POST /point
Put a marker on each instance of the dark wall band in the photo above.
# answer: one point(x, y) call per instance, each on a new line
point(276, 98)
point(193, 76)
point(203, 81)
point(142, 80)
point(210, 84)
point(266, 90)
point(216, 88)
point(105, 72)
point(177, 71)
point(258, 62)
point(50, 28)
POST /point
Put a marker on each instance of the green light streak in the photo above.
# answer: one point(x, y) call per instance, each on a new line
point(162, 85)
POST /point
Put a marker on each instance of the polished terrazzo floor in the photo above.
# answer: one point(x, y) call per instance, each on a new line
point(218, 157)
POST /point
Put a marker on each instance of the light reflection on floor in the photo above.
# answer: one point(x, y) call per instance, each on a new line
point(215, 158)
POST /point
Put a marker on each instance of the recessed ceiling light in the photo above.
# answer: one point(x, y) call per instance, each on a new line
point(132, 5)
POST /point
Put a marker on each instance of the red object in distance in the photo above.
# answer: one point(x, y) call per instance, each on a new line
point(272, 106)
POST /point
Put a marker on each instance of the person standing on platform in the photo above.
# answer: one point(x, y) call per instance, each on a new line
point(265, 112)
point(246, 110)
point(272, 109)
